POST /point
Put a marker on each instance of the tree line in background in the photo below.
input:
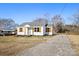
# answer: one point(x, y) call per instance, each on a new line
point(7, 24)
point(57, 23)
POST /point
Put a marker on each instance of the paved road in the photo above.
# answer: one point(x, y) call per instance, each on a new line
point(56, 46)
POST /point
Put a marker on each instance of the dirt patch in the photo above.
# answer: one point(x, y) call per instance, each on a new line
point(59, 45)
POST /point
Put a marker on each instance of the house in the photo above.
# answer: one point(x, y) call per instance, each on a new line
point(37, 27)
point(7, 32)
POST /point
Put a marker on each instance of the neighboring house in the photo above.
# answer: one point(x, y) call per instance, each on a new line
point(37, 27)
point(7, 32)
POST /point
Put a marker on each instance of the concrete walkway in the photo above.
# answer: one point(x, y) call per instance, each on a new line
point(57, 46)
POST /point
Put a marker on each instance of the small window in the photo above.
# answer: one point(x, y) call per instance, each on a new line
point(20, 29)
point(36, 30)
point(47, 29)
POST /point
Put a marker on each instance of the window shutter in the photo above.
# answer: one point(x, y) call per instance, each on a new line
point(32, 29)
point(40, 29)
point(49, 29)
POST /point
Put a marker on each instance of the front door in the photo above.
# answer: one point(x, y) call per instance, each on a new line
point(28, 31)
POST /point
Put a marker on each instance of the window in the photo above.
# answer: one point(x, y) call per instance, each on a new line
point(47, 29)
point(20, 29)
point(36, 30)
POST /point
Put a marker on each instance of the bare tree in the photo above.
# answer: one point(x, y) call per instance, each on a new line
point(75, 22)
point(40, 21)
point(75, 18)
point(57, 23)
point(7, 24)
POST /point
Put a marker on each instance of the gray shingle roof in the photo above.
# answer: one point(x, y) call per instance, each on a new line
point(23, 24)
point(37, 22)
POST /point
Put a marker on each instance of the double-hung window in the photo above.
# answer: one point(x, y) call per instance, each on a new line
point(36, 29)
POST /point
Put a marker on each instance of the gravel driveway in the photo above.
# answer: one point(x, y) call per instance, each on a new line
point(57, 46)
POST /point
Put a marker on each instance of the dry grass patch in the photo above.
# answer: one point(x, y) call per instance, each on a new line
point(11, 45)
point(75, 42)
